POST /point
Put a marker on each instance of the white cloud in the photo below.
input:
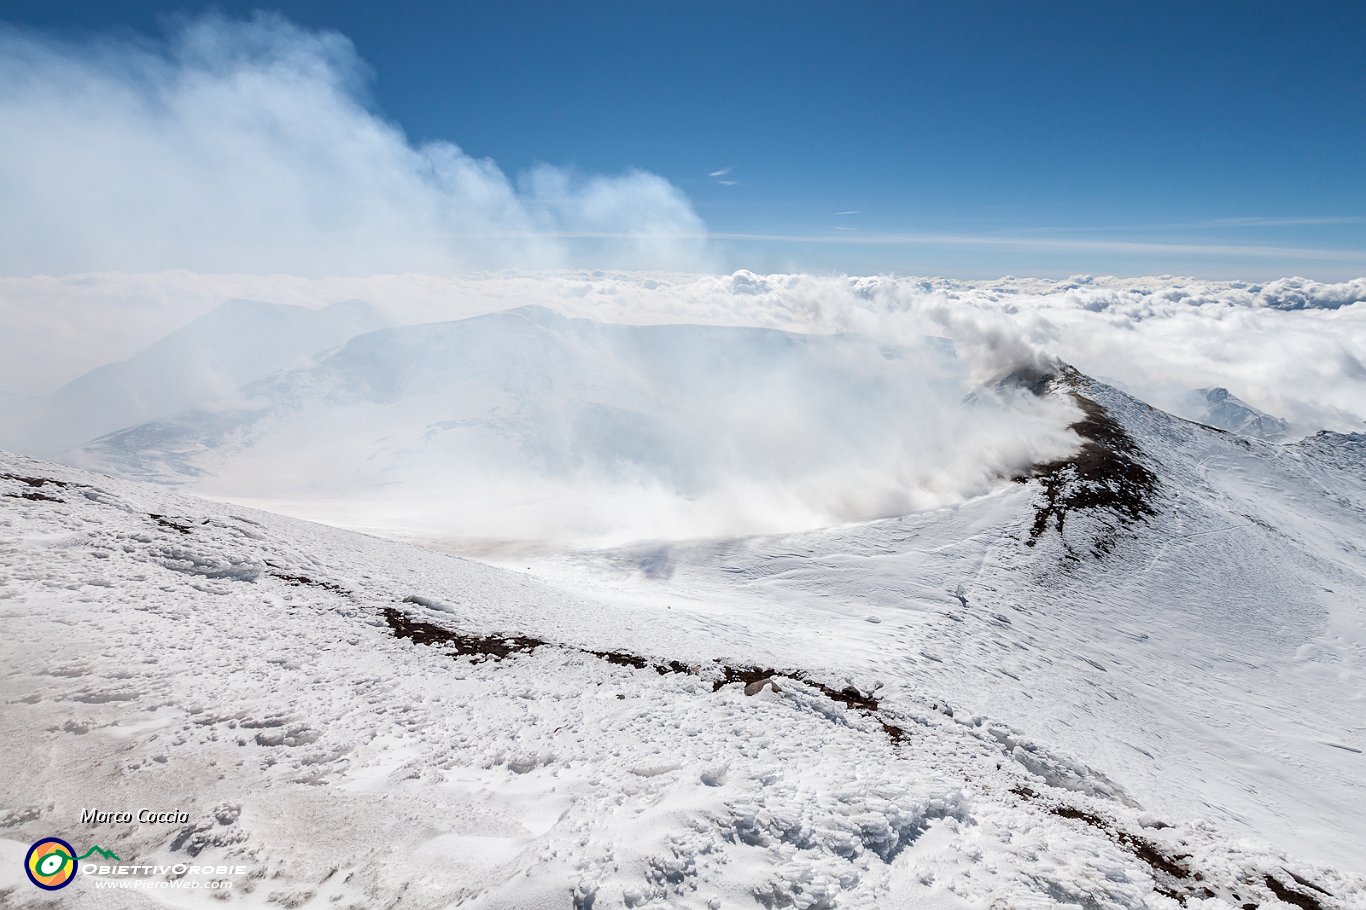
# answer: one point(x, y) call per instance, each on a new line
point(1292, 347)
point(247, 146)
point(723, 176)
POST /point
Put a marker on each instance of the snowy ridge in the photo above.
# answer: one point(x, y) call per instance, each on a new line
point(553, 763)
point(1191, 654)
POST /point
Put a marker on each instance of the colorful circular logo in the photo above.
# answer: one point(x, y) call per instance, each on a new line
point(51, 863)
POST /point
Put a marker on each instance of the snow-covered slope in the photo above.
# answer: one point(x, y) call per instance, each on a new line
point(1133, 680)
point(1201, 634)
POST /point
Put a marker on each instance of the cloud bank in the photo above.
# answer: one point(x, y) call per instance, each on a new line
point(1292, 347)
point(248, 146)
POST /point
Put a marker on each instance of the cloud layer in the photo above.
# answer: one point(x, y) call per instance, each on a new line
point(1292, 347)
point(247, 146)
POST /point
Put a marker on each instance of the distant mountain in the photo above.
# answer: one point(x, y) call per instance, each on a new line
point(1223, 410)
point(202, 364)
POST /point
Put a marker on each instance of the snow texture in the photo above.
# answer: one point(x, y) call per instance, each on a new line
point(1032, 721)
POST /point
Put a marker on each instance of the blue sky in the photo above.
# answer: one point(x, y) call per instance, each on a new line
point(972, 138)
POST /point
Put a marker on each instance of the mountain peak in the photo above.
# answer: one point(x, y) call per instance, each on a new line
point(1219, 408)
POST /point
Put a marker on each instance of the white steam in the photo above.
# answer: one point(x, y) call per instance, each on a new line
point(528, 425)
point(247, 146)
